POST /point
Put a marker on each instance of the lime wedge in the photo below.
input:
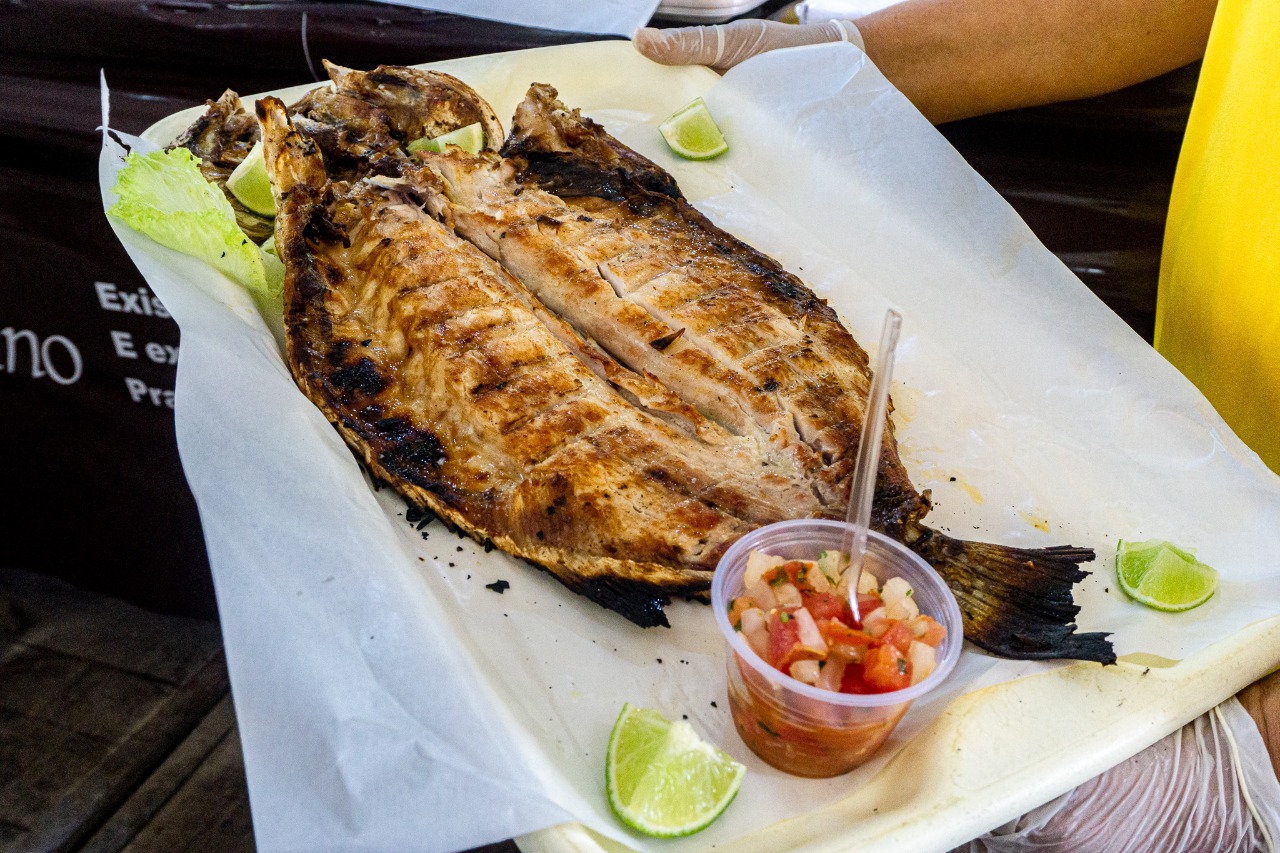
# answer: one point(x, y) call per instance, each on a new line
point(693, 134)
point(1161, 575)
point(250, 184)
point(663, 779)
point(470, 139)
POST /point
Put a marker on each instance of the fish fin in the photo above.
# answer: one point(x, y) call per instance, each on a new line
point(1016, 602)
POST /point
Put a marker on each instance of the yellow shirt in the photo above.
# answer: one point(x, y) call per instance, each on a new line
point(1218, 311)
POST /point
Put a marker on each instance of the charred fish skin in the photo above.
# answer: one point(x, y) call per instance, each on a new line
point(419, 104)
point(1016, 602)
point(572, 155)
point(449, 380)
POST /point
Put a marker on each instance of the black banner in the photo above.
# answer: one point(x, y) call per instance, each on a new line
point(87, 353)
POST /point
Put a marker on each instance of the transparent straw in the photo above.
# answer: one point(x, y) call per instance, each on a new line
point(862, 488)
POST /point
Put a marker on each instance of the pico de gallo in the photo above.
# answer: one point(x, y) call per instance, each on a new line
point(795, 615)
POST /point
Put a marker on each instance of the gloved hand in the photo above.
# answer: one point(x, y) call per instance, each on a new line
point(725, 45)
point(1207, 787)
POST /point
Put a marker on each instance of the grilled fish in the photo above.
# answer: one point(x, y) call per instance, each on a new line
point(457, 385)
point(618, 253)
point(554, 351)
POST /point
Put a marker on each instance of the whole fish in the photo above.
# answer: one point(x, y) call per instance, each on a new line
point(551, 349)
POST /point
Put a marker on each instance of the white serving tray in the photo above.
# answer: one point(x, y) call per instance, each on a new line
point(992, 754)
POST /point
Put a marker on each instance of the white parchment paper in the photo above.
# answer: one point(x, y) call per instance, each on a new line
point(389, 700)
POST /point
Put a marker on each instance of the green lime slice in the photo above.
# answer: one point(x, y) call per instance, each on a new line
point(250, 184)
point(664, 780)
point(1164, 576)
point(470, 139)
point(693, 134)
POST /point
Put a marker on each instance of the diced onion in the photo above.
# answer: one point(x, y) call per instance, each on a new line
point(758, 563)
point(831, 674)
point(807, 631)
point(876, 622)
point(923, 659)
point(817, 580)
point(788, 596)
point(807, 671)
point(894, 589)
point(762, 594)
point(903, 609)
point(755, 630)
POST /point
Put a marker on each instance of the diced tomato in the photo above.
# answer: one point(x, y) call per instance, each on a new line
point(827, 605)
point(784, 640)
point(867, 603)
point(837, 633)
point(796, 570)
point(899, 636)
point(740, 605)
point(933, 633)
point(886, 669)
point(853, 682)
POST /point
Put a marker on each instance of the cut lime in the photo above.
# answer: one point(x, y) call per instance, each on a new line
point(470, 139)
point(662, 778)
point(1161, 575)
point(250, 184)
point(693, 134)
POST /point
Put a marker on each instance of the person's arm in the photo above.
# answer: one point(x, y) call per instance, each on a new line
point(960, 58)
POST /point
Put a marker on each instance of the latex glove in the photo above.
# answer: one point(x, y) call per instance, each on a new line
point(1207, 787)
point(725, 45)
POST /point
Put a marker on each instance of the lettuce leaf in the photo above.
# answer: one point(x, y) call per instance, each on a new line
point(164, 195)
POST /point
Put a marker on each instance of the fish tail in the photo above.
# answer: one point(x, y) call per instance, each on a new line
point(1016, 602)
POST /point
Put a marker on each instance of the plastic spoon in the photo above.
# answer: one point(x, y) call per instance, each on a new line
point(862, 488)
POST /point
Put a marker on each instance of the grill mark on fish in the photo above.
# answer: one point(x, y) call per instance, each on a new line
point(481, 197)
point(675, 298)
point(767, 419)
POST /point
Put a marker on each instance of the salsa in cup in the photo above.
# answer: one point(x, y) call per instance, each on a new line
point(812, 691)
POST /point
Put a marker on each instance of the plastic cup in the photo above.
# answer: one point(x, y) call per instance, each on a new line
point(799, 728)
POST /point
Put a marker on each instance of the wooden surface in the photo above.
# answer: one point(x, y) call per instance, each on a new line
point(117, 728)
point(94, 694)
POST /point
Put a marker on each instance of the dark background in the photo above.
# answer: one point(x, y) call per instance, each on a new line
point(98, 494)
